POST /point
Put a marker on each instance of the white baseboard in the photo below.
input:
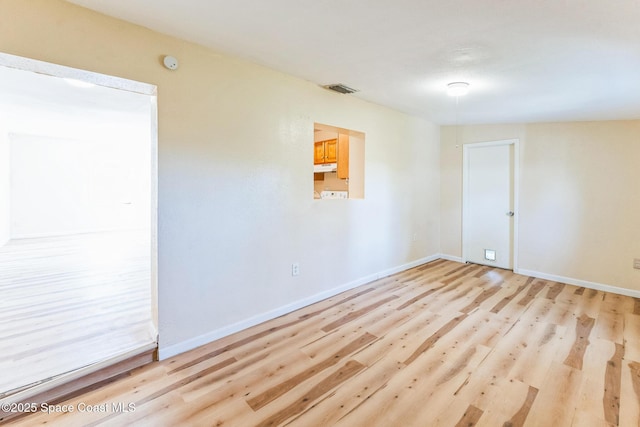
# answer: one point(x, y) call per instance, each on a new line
point(579, 282)
point(190, 344)
point(403, 267)
point(451, 257)
point(73, 232)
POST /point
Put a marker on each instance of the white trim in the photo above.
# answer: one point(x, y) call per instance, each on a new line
point(41, 67)
point(154, 210)
point(516, 188)
point(190, 344)
point(451, 258)
point(403, 267)
point(72, 232)
point(516, 201)
point(578, 282)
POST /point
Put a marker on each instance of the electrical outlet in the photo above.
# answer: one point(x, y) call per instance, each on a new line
point(636, 263)
point(295, 269)
point(415, 237)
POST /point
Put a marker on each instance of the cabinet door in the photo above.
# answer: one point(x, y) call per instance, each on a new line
point(331, 151)
point(343, 156)
point(318, 153)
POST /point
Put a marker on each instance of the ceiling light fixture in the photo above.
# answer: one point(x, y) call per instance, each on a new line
point(458, 89)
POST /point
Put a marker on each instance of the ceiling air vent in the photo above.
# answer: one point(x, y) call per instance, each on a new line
point(340, 88)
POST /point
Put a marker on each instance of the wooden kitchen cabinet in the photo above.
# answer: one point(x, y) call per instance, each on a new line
point(333, 151)
point(318, 153)
point(325, 152)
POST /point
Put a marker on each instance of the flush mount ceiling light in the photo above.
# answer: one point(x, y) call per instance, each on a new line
point(458, 89)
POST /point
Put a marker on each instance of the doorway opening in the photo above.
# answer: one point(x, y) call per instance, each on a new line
point(78, 223)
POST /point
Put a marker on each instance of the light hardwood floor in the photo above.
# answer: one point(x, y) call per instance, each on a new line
point(444, 344)
point(69, 302)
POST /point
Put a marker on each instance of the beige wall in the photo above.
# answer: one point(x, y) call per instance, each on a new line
point(235, 182)
point(579, 202)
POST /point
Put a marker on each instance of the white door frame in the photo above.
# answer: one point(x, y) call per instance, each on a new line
point(516, 187)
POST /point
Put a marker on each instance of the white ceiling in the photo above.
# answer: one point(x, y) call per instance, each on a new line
point(36, 103)
point(526, 60)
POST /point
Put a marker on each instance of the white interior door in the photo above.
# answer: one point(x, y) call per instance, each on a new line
point(489, 203)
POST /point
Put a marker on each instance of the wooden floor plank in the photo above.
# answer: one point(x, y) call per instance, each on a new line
point(613, 380)
point(351, 395)
point(470, 417)
point(631, 332)
point(584, 325)
point(556, 402)
point(598, 380)
point(630, 394)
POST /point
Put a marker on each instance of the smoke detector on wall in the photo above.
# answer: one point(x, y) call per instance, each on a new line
point(340, 88)
point(170, 62)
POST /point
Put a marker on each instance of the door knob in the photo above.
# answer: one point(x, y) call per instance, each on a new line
point(510, 213)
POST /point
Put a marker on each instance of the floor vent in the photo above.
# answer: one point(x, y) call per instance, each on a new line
point(340, 88)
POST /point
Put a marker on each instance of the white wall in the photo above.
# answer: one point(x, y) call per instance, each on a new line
point(235, 154)
point(5, 189)
point(66, 186)
point(579, 201)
